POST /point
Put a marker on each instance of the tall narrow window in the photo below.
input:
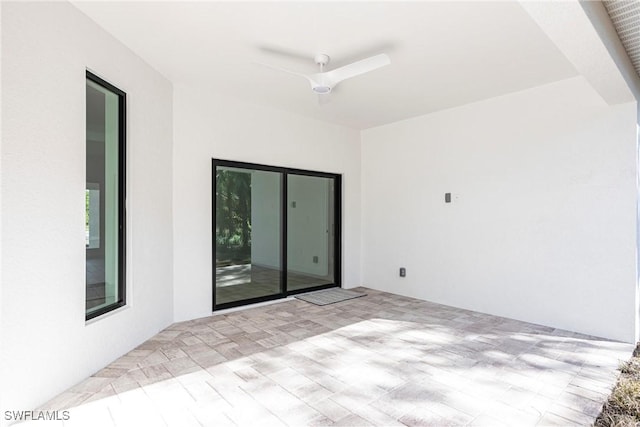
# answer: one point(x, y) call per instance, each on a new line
point(104, 197)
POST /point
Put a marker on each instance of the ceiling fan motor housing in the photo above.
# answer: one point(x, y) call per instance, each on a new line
point(320, 84)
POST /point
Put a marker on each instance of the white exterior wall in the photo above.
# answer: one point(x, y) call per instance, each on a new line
point(209, 126)
point(542, 226)
point(46, 345)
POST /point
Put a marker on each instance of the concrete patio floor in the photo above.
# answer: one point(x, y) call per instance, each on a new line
point(379, 360)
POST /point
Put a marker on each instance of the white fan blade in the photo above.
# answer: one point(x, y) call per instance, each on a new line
point(289, 72)
point(357, 68)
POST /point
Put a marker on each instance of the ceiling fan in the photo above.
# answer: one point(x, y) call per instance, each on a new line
point(322, 83)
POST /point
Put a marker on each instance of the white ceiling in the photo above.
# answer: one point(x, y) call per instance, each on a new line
point(443, 54)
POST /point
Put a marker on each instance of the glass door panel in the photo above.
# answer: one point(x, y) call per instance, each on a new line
point(248, 232)
point(310, 231)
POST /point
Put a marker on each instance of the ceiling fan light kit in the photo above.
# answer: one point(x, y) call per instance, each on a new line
point(321, 90)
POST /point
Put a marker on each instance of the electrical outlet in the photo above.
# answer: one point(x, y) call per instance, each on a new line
point(315, 259)
point(403, 272)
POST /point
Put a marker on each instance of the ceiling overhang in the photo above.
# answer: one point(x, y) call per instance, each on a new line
point(443, 54)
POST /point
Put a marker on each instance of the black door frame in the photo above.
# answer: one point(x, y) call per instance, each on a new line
point(337, 241)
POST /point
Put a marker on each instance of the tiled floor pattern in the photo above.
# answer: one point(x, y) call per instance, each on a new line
point(381, 360)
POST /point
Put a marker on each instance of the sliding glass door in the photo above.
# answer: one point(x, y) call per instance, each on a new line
point(276, 232)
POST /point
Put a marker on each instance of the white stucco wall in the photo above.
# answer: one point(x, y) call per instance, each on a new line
point(542, 226)
point(46, 345)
